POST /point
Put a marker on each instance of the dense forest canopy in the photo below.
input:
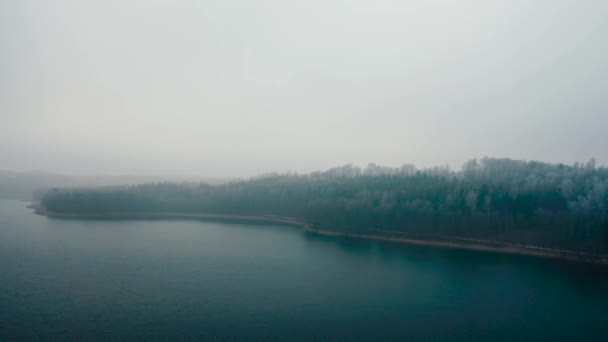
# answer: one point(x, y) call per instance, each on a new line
point(551, 205)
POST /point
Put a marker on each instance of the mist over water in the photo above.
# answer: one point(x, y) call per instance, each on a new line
point(477, 124)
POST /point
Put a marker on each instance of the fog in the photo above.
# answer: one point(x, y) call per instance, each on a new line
point(238, 88)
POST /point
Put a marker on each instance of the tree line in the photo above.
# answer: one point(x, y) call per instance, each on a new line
point(551, 205)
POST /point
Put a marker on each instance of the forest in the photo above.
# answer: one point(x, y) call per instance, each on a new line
point(504, 200)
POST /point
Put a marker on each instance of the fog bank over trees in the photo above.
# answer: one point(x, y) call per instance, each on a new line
point(237, 88)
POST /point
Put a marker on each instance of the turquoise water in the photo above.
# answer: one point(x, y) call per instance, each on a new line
point(66, 279)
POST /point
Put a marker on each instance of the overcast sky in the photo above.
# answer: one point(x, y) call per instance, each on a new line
point(237, 88)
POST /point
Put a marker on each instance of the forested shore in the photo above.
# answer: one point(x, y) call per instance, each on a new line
point(502, 201)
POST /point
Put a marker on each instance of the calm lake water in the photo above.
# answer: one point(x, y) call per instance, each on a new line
point(66, 279)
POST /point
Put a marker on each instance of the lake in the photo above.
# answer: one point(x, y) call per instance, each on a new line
point(69, 279)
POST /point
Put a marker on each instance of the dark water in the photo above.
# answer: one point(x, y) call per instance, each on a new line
point(190, 280)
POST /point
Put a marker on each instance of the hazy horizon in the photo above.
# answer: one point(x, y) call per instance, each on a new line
point(185, 176)
point(241, 88)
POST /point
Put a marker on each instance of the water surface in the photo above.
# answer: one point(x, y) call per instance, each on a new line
point(68, 279)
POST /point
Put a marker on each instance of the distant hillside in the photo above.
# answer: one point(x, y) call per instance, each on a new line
point(24, 185)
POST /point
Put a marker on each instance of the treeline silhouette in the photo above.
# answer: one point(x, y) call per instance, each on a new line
point(534, 203)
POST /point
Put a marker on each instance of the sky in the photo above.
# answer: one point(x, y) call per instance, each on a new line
point(241, 87)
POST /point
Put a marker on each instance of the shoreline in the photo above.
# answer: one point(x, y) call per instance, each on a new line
point(463, 244)
point(494, 247)
point(270, 219)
